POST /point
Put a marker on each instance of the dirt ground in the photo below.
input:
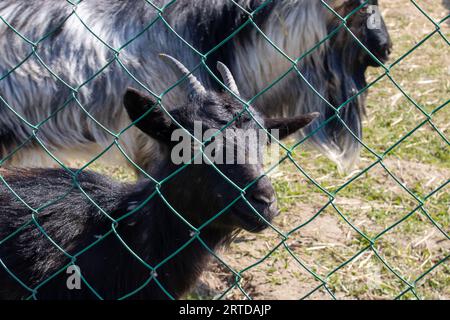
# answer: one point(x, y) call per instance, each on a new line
point(328, 241)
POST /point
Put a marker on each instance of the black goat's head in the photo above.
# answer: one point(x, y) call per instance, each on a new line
point(367, 24)
point(219, 183)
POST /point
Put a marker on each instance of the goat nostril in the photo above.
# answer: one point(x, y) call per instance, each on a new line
point(388, 49)
point(261, 198)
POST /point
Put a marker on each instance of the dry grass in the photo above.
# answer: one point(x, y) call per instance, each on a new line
point(372, 203)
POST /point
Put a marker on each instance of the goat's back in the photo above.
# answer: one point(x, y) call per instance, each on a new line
point(47, 220)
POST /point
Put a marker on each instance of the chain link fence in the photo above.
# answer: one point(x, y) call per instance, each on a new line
point(368, 242)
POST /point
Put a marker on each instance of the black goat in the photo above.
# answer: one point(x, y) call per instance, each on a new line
point(129, 245)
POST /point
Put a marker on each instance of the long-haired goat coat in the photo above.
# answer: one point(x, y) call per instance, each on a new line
point(76, 44)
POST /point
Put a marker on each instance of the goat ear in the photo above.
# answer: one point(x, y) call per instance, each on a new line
point(155, 123)
point(288, 126)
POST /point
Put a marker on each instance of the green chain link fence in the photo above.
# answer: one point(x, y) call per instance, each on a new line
point(323, 281)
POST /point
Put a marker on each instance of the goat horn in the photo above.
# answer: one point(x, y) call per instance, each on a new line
point(227, 76)
point(194, 86)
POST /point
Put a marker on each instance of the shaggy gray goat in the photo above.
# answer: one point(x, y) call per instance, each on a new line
point(72, 95)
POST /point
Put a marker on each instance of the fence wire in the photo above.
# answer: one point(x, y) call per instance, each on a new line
point(370, 242)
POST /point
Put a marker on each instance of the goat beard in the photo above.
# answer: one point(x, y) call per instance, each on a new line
point(345, 79)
